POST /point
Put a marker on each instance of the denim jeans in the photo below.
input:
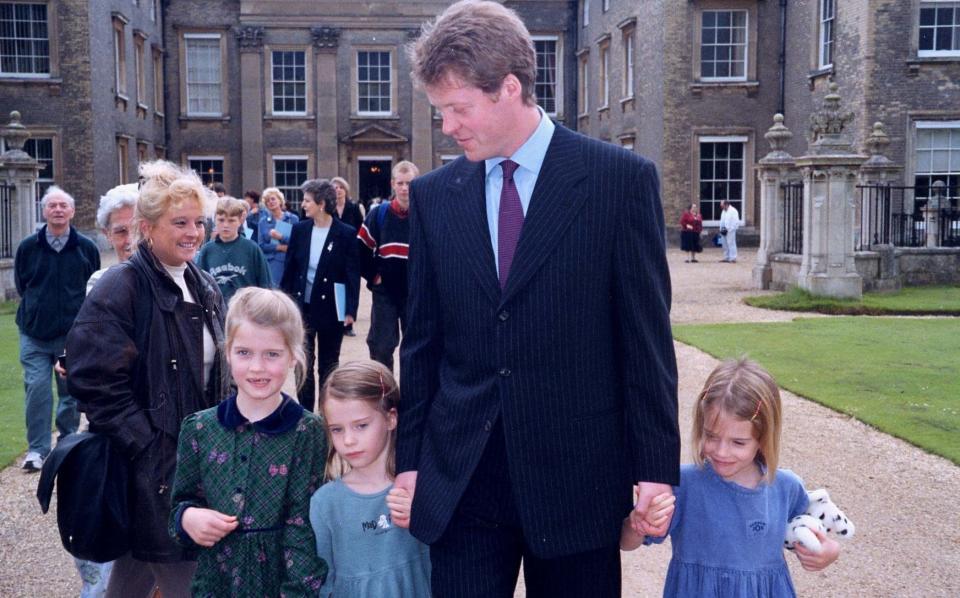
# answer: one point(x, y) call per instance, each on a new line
point(94, 576)
point(37, 358)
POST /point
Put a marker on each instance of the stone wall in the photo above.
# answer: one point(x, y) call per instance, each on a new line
point(914, 267)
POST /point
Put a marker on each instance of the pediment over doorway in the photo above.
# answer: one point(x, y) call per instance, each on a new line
point(374, 134)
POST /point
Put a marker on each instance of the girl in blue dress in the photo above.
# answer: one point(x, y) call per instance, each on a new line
point(355, 515)
point(733, 504)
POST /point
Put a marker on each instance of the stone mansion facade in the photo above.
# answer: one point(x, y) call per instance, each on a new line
point(271, 92)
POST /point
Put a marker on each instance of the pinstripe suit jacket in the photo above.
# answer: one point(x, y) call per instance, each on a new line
point(575, 354)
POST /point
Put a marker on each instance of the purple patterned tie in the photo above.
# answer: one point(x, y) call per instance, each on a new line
point(509, 222)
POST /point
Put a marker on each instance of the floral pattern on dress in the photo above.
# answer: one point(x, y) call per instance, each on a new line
point(266, 480)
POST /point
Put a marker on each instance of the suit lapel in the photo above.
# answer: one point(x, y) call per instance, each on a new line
point(556, 201)
point(468, 206)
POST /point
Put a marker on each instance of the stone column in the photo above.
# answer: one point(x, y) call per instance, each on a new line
point(250, 40)
point(829, 190)
point(874, 218)
point(773, 170)
point(19, 170)
point(326, 41)
point(931, 213)
point(421, 134)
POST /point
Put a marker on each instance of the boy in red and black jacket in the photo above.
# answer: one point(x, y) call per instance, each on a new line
point(384, 239)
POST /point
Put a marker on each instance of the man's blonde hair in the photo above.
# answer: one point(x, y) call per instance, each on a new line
point(231, 207)
point(405, 167)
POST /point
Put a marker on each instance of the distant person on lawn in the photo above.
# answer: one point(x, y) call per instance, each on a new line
point(51, 269)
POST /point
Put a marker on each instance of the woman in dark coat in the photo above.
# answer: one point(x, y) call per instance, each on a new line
point(691, 225)
point(323, 254)
point(349, 212)
point(144, 354)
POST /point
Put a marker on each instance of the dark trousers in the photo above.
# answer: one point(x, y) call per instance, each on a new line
point(480, 553)
point(386, 322)
point(322, 348)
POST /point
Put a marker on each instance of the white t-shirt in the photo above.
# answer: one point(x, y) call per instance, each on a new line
point(317, 238)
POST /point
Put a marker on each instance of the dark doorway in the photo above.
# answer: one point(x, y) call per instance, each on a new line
point(374, 179)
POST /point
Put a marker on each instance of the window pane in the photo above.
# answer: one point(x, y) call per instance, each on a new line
point(288, 175)
point(24, 44)
point(373, 81)
point(941, 161)
point(203, 75)
point(723, 42)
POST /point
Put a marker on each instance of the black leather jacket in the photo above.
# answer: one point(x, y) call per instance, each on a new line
point(135, 365)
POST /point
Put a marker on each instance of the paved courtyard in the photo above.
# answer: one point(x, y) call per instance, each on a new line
point(904, 502)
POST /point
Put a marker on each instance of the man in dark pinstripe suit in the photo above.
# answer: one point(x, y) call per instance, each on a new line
point(538, 374)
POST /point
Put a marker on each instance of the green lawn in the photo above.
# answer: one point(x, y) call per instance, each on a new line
point(900, 375)
point(942, 300)
point(12, 436)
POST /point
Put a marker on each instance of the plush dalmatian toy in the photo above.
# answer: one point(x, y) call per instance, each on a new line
point(822, 514)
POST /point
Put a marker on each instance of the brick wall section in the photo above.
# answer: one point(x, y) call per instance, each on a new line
point(79, 104)
point(206, 137)
point(376, 24)
point(63, 104)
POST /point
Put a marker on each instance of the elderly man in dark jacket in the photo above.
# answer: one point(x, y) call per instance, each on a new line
point(51, 269)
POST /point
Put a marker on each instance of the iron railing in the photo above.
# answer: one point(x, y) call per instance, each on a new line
point(7, 200)
point(792, 196)
point(892, 215)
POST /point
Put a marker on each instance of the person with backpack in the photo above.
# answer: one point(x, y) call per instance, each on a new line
point(383, 242)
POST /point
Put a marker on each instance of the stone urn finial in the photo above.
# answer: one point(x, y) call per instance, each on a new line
point(877, 141)
point(15, 135)
point(778, 135)
point(828, 124)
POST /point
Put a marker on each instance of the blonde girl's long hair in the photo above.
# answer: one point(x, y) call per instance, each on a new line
point(744, 390)
point(364, 380)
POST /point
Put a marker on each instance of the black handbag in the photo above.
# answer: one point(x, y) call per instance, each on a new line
point(723, 232)
point(92, 501)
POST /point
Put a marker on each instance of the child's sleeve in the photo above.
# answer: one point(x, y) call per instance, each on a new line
point(304, 571)
point(187, 481)
point(799, 500)
point(320, 522)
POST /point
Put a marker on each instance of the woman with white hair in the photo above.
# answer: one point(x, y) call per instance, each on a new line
point(115, 219)
point(143, 353)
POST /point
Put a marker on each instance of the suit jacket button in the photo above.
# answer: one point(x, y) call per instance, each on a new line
point(505, 372)
point(504, 316)
point(487, 425)
point(323, 296)
point(324, 280)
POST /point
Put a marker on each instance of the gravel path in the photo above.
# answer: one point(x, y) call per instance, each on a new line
point(904, 501)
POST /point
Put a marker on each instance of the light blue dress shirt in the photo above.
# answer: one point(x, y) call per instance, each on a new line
point(529, 158)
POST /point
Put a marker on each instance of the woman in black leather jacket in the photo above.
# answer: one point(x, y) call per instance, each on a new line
point(144, 352)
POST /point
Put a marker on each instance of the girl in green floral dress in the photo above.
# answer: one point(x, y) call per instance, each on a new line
point(246, 469)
